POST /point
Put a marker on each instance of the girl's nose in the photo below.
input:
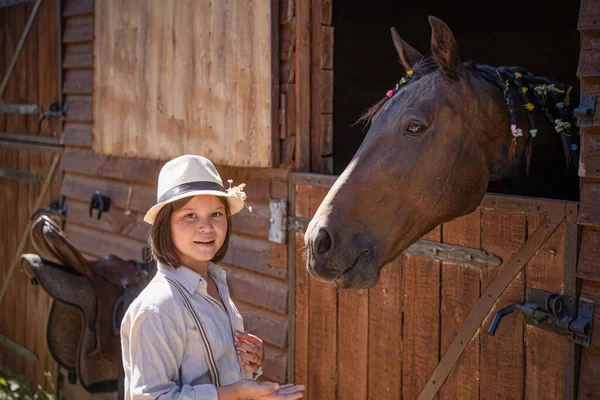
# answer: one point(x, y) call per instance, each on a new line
point(204, 226)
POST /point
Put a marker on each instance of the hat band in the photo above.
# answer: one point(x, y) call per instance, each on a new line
point(190, 187)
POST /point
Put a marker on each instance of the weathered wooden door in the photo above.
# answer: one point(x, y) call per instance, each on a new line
point(385, 343)
point(29, 173)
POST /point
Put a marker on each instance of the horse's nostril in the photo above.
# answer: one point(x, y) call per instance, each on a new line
point(322, 242)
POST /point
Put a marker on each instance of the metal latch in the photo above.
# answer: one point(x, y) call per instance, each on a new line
point(54, 111)
point(585, 112)
point(278, 220)
point(546, 310)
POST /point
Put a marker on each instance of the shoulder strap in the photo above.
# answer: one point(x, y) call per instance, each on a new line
point(208, 350)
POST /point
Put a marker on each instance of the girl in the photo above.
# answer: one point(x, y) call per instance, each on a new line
point(183, 337)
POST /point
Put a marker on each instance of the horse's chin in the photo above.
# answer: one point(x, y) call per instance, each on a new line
point(363, 274)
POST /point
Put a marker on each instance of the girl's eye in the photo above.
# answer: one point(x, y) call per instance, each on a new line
point(190, 216)
point(414, 129)
point(216, 214)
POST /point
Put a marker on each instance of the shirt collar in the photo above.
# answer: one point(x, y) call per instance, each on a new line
point(190, 279)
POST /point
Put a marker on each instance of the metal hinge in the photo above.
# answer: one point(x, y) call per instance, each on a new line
point(546, 310)
point(278, 220)
point(586, 110)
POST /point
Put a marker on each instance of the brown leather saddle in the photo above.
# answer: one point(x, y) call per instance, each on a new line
point(89, 299)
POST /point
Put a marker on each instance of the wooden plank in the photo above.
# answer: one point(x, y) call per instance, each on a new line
point(274, 89)
point(91, 163)
point(589, 17)
point(589, 164)
point(317, 87)
point(385, 327)
point(207, 92)
point(324, 181)
point(83, 188)
point(115, 221)
point(459, 293)
point(99, 243)
point(501, 356)
point(322, 341)
point(275, 364)
point(589, 378)
point(48, 86)
point(262, 184)
point(591, 291)
point(78, 30)
point(327, 143)
point(23, 206)
point(589, 254)
point(521, 204)
point(326, 92)
point(303, 85)
point(270, 327)
point(43, 301)
point(326, 12)
point(420, 337)
point(287, 42)
point(77, 134)
point(78, 7)
point(589, 212)
point(327, 43)
point(589, 57)
point(79, 108)
point(545, 271)
point(259, 290)
point(301, 297)
point(571, 350)
point(255, 255)
point(286, 12)
point(78, 56)
point(78, 81)
point(353, 334)
point(591, 85)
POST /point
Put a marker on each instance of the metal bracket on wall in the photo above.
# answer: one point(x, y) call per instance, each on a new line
point(586, 110)
point(546, 310)
point(278, 220)
point(20, 108)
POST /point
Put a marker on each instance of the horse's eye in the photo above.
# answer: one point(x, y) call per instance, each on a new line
point(414, 129)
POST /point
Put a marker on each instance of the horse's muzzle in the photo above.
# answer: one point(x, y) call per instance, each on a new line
point(333, 257)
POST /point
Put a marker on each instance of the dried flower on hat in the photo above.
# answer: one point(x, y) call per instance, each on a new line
point(238, 192)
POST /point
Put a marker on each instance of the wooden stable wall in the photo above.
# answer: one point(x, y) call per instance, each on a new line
point(170, 76)
point(385, 342)
point(23, 169)
point(257, 269)
point(306, 79)
point(589, 171)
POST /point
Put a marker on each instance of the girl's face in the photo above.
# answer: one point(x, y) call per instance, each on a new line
point(198, 229)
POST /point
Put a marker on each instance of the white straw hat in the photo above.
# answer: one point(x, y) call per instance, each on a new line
point(191, 175)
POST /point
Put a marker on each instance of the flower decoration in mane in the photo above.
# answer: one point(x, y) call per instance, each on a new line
point(238, 191)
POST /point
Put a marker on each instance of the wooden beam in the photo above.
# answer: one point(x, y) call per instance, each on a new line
point(303, 85)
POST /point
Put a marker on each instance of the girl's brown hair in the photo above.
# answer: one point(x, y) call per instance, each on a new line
point(160, 240)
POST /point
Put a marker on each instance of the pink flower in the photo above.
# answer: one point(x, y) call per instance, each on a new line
point(389, 94)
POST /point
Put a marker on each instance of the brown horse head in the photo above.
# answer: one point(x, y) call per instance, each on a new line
point(433, 145)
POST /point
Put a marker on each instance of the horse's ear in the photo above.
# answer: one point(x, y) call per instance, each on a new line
point(443, 46)
point(408, 54)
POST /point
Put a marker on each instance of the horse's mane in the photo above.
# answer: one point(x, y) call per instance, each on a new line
point(555, 100)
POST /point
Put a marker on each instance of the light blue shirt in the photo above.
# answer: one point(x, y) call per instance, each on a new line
point(162, 351)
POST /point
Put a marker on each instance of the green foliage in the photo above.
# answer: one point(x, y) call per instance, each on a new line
point(16, 387)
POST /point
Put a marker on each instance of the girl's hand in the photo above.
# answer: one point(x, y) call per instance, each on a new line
point(250, 389)
point(250, 350)
point(285, 392)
